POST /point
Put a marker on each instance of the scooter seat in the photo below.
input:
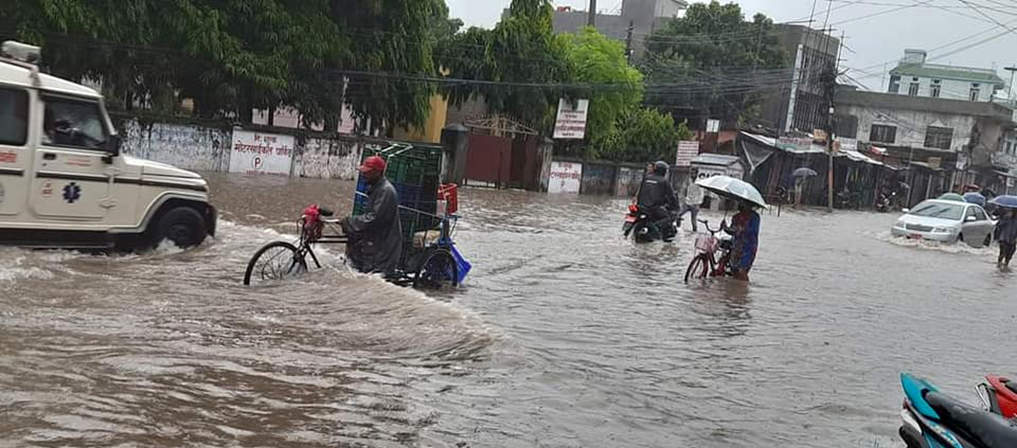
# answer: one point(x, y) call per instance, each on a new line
point(984, 428)
point(1012, 385)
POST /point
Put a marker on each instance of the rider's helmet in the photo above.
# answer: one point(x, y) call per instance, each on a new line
point(660, 168)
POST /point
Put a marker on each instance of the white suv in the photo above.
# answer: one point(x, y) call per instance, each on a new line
point(63, 181)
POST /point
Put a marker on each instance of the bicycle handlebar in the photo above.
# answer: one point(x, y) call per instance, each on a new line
point(706, 224)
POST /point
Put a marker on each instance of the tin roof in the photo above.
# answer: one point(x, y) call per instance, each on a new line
point(715, 159)
point(949, 72)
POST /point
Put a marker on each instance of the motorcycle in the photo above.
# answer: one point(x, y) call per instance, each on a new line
point(932, 419)
point(999, 396)
point(638, 222)
point(886, 202)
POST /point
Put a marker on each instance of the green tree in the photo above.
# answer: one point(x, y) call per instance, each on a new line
point(647, 134)
point(713, 63)
point(520, 54)
point(597, 60)
point(230, 56)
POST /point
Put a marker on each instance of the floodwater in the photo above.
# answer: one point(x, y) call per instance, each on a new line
point(564, 335)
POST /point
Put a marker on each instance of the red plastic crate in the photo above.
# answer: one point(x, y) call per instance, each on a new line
point(448, 193)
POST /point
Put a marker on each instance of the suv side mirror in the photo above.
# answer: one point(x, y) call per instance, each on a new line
point(113, 145)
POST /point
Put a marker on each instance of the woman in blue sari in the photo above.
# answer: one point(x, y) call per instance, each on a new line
point(745, 230)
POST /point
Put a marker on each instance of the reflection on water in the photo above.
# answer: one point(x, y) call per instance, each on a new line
point(564, 335)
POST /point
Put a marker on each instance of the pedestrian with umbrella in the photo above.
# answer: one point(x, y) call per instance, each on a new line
point(744, 226)
point(1006, 229)
point(800, 175)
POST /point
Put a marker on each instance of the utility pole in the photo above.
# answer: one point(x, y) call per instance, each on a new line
point(593, 13)
point(830, 78)
point(628, 41)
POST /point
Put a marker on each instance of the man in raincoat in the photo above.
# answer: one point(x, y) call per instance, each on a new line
point(376, 240)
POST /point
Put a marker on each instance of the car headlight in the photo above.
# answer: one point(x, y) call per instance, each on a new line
point(942, 230)
point(900, 223)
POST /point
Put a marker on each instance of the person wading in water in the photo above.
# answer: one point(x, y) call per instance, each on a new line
point(376, 239)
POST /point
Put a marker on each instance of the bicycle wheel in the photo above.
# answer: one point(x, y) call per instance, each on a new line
point(438, 270)
point(275, 261)
point(698, 268)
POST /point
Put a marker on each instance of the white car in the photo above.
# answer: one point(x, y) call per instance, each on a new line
point(64, 182)
point(947, 222)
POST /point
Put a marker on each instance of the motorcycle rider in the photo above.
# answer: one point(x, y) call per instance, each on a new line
point(656, 198)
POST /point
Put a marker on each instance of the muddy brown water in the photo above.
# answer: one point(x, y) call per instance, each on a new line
point(564, 335)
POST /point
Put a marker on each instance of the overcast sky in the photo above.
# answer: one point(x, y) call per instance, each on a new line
point(872, 41)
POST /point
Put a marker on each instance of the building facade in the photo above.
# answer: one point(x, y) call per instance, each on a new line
point(801, 103)
point(643, 16)
point(915, 77)
point(945, 143)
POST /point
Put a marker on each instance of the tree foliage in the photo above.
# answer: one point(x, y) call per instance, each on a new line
point(597, 60)
point(230, 56)
point(519, 52)
point(714, 54)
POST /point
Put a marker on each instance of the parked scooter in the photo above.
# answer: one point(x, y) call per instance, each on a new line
point(638, 222)
point(934, 420)
point(999, 396)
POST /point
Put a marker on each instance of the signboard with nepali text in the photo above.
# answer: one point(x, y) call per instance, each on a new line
point(261, 153)
point(571, 121)
point(687, 150)
point(566, 177)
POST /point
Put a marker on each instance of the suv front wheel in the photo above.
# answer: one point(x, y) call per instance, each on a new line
point(184, 226)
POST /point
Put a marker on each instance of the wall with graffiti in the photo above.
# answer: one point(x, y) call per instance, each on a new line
point(211, 149)
point(185, 146)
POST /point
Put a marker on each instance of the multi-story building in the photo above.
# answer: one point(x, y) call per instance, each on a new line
point(915, 77)
point(944, 143)
point(800, 103)
point(643, 16)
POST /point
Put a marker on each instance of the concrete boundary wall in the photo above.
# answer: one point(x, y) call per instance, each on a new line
point(207, 148)
point(606, 178)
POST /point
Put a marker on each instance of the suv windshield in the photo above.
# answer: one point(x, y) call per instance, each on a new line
point(938, 210)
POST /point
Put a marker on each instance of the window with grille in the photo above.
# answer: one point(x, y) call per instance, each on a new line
point(934, 91)
point(937, 137)
point(913, 89)
point(882, 134)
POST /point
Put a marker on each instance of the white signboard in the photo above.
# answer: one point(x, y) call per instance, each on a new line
point(687, 150)
point(260, 153)
point(713, 126)
point(565, 177)
point(571, 121)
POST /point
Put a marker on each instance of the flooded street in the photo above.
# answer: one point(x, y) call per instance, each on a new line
point(564, 335)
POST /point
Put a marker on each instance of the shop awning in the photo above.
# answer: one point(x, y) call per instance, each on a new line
point(789, 148)
point(859, 157)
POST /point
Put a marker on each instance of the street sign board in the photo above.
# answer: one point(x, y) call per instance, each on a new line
point(261, 153)
point(687, 150)
point(565, 177)
point(712, 125)
point(571, 121)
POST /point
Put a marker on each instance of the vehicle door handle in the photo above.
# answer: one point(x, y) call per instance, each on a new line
point(48, 156)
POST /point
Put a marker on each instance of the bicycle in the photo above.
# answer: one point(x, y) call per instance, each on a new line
point(433, 266)
point(706, 263)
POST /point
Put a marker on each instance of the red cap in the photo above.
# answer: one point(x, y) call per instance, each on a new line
point(373, 163)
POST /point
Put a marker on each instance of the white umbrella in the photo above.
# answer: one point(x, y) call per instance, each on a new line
point(733, 188)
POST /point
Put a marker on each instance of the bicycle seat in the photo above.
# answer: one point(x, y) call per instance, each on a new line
point(325, 212)
point(989, 430)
